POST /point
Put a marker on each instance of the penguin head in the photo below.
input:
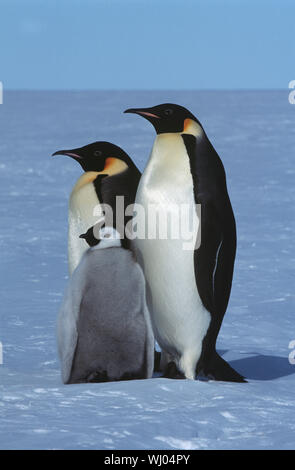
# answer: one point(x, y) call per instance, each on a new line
point(105, 236)
point(89, 236)
point(167, 118)
point(102, 157)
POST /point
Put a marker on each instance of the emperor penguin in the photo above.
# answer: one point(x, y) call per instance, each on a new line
point(187, 289)
point(104, 331)
point(108, 172)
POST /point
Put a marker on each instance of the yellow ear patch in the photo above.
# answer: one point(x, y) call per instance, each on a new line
point(113, 166)
point(191, 127)
point(186, 125)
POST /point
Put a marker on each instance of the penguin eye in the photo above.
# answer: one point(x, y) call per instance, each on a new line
point(98, 153)
point(168, 112)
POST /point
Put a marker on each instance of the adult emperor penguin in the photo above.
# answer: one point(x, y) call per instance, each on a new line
point(104, 330)
point(108, 172)
point(188, 290)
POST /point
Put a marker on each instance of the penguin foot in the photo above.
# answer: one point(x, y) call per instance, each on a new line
point(171, 372)
point(219, 369)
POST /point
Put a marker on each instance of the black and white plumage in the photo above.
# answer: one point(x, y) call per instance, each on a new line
point(188, 290)
point(104, 331)
point(108, 172)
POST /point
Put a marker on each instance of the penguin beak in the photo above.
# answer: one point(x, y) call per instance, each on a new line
point(83, 235)
point(69, 153)
point(144, 112)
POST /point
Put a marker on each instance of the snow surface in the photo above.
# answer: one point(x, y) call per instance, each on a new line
point(254, 134)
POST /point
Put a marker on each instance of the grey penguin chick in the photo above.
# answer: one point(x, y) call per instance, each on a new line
point(104, 331)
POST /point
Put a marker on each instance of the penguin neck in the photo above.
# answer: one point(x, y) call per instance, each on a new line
point(106, 243)
point(110, 238)
point(85, 178)
point(113, 166)
point(193, 128)
point(190, 127)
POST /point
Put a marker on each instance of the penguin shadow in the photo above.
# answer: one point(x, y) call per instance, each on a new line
point(262, 367)
point(253, 367)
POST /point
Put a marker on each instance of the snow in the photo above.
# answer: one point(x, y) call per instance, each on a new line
point(254, 134)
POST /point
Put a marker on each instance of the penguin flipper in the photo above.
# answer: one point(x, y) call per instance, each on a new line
point(214, 259)
point(219, 369)
point(214, 262)
point(67, 321)
point(206, 255)
point(67, 334)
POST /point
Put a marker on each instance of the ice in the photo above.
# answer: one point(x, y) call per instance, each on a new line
point(254, 134)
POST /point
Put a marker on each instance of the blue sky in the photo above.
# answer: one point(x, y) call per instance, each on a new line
point(146, 44)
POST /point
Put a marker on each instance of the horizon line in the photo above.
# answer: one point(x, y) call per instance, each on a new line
point(140, 89)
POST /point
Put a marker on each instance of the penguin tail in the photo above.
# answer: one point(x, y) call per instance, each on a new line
point(219, 369)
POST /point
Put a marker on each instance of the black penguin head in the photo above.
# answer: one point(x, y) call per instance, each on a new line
point(90, 237)
point(99, 156)
point(166, 117)
point(99, 232)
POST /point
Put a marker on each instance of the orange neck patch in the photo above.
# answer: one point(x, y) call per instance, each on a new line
point(113, 166)
point(187, 124)
point(191, 127)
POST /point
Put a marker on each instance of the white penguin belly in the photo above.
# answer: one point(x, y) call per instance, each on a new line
point(180, 320)
point(84, 212)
